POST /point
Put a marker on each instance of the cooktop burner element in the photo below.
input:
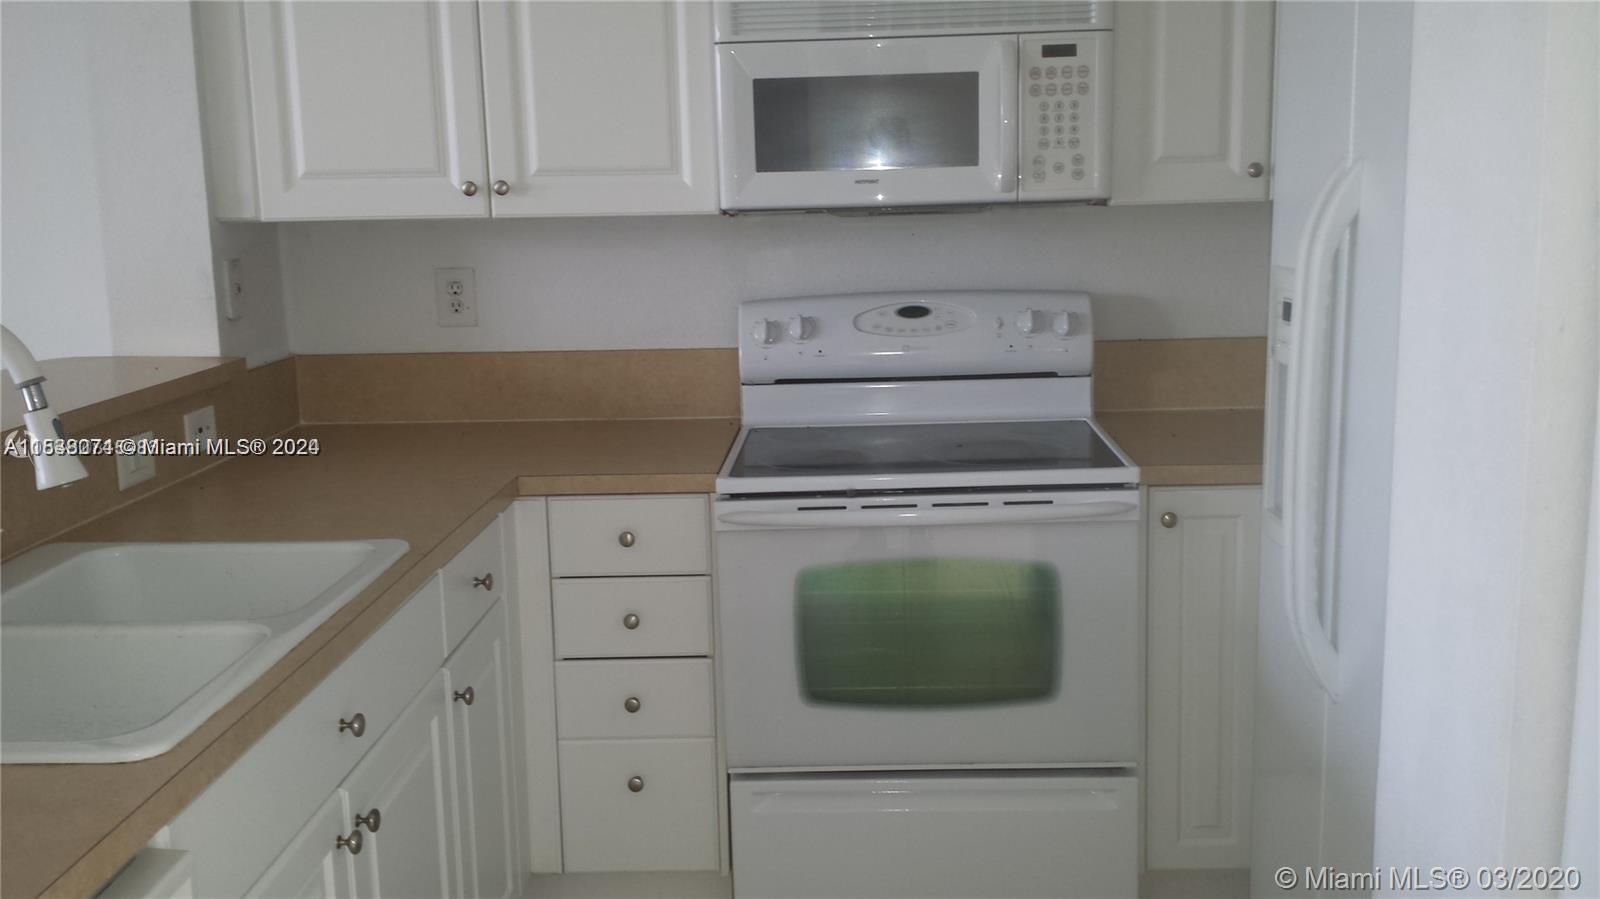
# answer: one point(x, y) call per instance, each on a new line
point(922, 448)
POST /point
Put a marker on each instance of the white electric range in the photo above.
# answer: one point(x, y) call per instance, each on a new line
point(929, 616)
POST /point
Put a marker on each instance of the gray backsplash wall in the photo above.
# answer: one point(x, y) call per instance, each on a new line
point(598, 283)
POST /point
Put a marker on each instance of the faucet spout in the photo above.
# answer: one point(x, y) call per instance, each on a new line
point(52, 465)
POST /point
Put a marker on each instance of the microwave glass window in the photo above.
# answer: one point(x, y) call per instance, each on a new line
point(928, 632)
point(866, 122)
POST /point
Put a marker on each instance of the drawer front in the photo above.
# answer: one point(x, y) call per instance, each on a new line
point(473, 580)
point(669, 824)
point(670, 616)
point(290, 772)
point(647, 698)
point(629, 535)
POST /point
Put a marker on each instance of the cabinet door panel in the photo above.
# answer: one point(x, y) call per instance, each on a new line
point(483, 753)
point(576, 131)
point(313, 866)
point(366, 110)
point(407, 778)
point(1203, 589)
point(1192, 101)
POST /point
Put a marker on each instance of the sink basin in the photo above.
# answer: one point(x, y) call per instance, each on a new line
point(115, 652)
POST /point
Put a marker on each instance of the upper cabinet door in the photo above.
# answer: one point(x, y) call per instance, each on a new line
point(600, 108)
point(1192, 107)
point(367, 110)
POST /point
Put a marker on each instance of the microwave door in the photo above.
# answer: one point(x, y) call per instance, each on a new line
point(868, 123)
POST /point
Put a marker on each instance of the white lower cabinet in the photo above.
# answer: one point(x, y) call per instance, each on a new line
point(1203, 585)
point(484, 725)
point(639, 805)
point(314, 866)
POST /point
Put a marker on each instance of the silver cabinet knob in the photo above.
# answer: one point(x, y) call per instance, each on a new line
point(635, 783)
point(467, 696)
point(356, 724)
point(631, 704)
point(1169, 520)
point(630, 621)
point(351, 842)
point(370, 821)
point(470, 188)
point(500, 188)
point(486, 582)
point(626, 538)
point(1255, 170)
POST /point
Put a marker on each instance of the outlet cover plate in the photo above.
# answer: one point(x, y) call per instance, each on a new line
point(455, 295)
point(200, 425)
point(135, 469)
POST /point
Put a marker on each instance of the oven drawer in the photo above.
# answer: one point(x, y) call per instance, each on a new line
point(915, 837)
point(629, 535)
point(645, 698)
point(473, 580)
point(669, 823)
point(670, 616)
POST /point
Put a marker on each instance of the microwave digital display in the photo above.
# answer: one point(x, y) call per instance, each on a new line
point(1051, 51)
point(866, 122)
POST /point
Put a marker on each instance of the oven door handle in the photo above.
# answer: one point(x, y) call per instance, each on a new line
point(864, 518)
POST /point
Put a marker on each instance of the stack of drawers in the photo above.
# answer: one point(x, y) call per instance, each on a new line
point(635, 709)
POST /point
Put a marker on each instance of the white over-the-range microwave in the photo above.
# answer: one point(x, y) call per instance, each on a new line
point(888, 104)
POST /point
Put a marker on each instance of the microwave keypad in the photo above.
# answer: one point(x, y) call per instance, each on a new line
point(1057, 116)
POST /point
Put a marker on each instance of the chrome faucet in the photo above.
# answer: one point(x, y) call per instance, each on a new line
point(50, 468)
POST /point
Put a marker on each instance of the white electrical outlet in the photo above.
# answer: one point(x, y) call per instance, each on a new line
point(134, 468)
point(455, 294)
point(200, 424)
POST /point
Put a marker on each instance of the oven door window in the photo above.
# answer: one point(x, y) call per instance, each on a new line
point(866, 122)
point(928, 632)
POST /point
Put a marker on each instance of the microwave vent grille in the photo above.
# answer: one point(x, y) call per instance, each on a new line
point(748, 20)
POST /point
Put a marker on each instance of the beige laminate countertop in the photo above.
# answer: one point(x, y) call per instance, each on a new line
point(66, 829)
point(1202, 447)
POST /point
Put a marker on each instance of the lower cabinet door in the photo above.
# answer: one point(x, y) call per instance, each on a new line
point(480, 693)
point(638, 805)
point(403, 795)
point(315, 865)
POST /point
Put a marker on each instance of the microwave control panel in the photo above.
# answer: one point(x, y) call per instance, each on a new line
point(1064, 96)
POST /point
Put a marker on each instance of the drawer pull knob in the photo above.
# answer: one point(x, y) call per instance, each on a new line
point(630, 621)
point(351, 842)
point(1255, 170)
point(635, 784)
point(356, 724)
point(371, 820)
point(1169, 520)
point(501, 188)
point(468, 696)
point(631, 704)
point(486, 582)
point(469, 188)
point(626, 538)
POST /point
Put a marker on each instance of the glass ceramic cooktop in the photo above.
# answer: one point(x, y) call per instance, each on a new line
point(922, 449)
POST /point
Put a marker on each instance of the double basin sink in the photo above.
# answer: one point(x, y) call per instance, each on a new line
point(115, 652)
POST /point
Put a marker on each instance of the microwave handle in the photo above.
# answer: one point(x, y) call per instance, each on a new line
point(1010, 123)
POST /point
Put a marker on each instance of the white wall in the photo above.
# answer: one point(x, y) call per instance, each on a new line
point(1195, 271)
point(1494, 426)
point(102, 194)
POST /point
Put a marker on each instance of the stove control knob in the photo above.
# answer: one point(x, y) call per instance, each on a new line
point(801, 327)
point(766, 332)
point(1062, 324)
point(1030, 321)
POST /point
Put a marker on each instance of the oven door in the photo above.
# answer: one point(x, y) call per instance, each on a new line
point(912, 121)
point(938, 631)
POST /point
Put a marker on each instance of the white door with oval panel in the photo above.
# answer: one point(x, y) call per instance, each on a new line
point(600, 108)
point(1192, 102)
point(367, 110)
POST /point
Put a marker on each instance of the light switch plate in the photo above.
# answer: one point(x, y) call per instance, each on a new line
point(135, 469)
point(455, 294)
point(232, 290)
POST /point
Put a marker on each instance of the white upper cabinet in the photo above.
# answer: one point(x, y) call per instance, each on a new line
point(1192, 102)
point(366, 110)
point(600, 108)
